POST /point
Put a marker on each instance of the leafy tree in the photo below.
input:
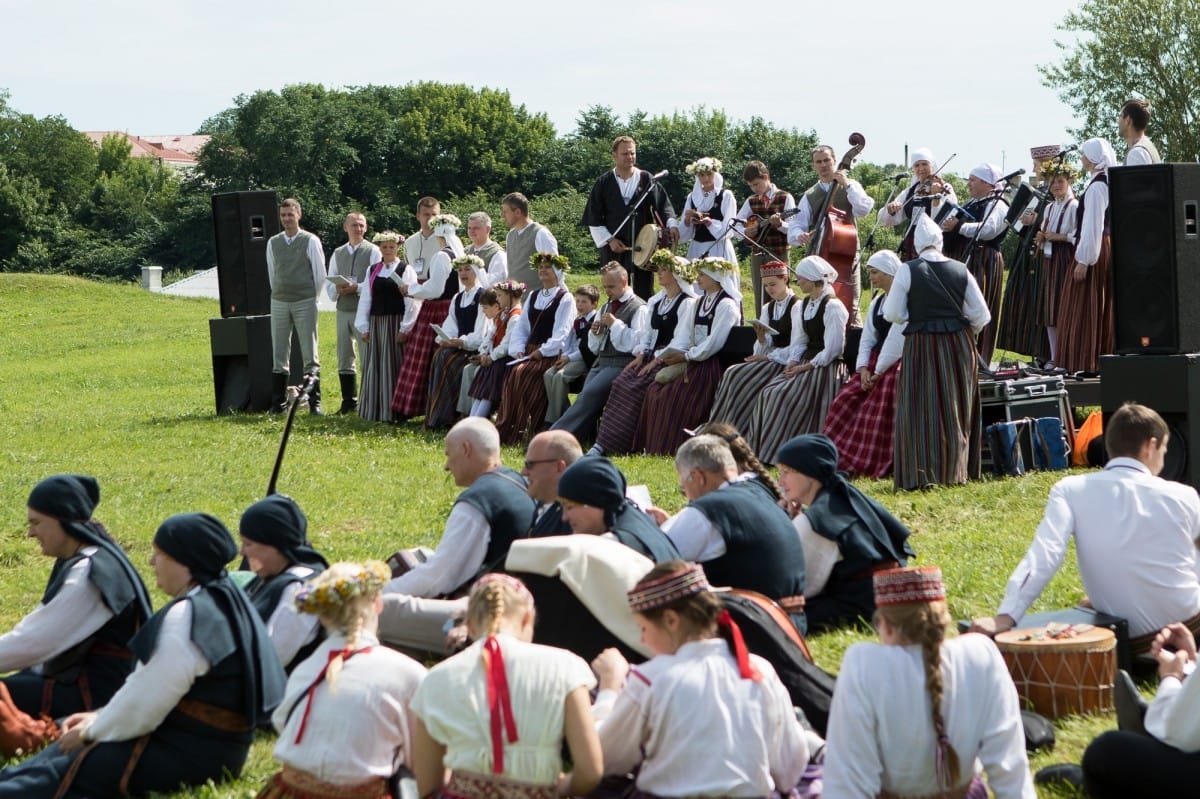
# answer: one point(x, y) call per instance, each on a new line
point(1123, 49)
point(61, 159)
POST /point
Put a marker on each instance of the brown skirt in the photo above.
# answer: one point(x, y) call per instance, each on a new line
point(477, 786)
point(523, 403)
point(291, 783)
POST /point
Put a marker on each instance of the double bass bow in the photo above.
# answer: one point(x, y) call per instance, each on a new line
point(834, 234)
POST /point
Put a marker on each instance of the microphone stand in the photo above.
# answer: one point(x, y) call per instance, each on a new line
point(306, 385)
point(640, 197)
point(997, 194)
point(869, 244)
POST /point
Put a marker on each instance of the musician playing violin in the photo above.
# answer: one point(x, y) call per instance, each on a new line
point(762, 214)
point(925, 194)
point(848, 196)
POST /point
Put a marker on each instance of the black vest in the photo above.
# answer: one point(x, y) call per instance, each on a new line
point(1101, 177)
point(451, 286)
point(500, 497)
point(386, 299)
point(705, 319)
point(783, 324)
point(935, 297)
point(762, 550)
point(665, 323)
point(465, 317)
point(541, 321)
point(582, 326)
point(881, 324)
point(636, 530)
point(702, 233)
point(264, 594)
point(550, 523)
point(815, 328)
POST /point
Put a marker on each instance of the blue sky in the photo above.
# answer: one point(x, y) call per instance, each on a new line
point(957, 77)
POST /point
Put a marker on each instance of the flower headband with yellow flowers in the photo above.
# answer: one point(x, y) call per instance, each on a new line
point(681, 267)
point(328, 592)
point(559, 262)
point(468, 260)
point(703, 165)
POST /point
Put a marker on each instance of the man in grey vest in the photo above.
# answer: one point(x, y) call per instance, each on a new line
point(495, 261)
point(619, 326)
point(295, 272)
point(351, 261)
point(525, 237)
point(1131, 124)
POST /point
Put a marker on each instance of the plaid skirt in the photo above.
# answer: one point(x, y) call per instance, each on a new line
point(623, 410)
point(292, 783)
point(445, 381)
point(862, 424)
point(682, 403)
point(740, 386)
point(412, 384)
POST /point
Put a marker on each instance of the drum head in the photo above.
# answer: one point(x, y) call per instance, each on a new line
point(645, 245)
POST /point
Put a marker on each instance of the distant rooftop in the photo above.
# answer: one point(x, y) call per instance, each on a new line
point(174, 151)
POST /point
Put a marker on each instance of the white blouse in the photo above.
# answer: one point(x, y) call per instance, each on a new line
point(362, 319)
point(698, 342)
point(836, 316)
point(893, 345)
point(772, 312)
point(564, 319)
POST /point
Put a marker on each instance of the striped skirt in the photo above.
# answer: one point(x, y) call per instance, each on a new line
point(381, 359)
point(682, 403)
point(489, 381)
point(445, 383)
point(862, 424)
point(739, 390)
point(523, 404)
point(1055, 271)
point(938, 399)
point(1085, 323)
point(291, 783)
point(1019, 330)
point(791, 406)
point(987, 266)
point(412, 384)
point(623, 410)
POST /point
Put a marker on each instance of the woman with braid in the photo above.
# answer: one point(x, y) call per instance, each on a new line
point(495, 715)
point(918, 715)
point(351, 691)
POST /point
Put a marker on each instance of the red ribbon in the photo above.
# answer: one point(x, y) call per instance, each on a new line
point(344, 654)
point(745, 667)
point(499, 702)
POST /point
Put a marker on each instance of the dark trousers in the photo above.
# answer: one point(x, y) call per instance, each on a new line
point(580, 419)
point(1123, 764)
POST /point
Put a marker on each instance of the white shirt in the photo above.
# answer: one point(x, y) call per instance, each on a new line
point(496, 269)
point(360, 727)
point(1174, 715)
point(881, 737)
point(156, 686)
point(694, 535)
point(1090, 235)
point(564, 318)
point(75, 613)
point(1059, 217)
point(1138, 153)
point(452, 703)
point(439, 269)
point(571, 345)
point(751, 743)
point(891, 220)
point(717, 227)
point(893, 344)
point(316, 258)
point(699, 343)
point(1135, 539)
point(624, 337)
point(686, 308)
point(457, 558)
point(821, 554)
point(470, 338)
point(419, 249)
point(772, 313)
point(895, 306)
point(375, 257)
point(289, 629)
point(861, 204)
point(993, 224)
point(362, 318)
point(836, 316)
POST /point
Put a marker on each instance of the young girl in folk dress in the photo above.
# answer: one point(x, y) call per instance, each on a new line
point(798, 399)
point(384, 315)
point(485, 383)
point(1056, 248)
point(742, 383)
point(862, 417)
point(913, 714)
point(684, 402)
point(495, 715)
point(434, 288)
point(464, 326)
point(344, 723)
point(667, 309)
point(703, 717)
point(539, 335)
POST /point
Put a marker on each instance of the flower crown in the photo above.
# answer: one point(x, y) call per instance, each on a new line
point(714, 264)
point(511, 286)
point(468, 260)
point(1055, 168)
point(703, 165)
point(665, 259)
point(559, 262)
point(387, 235)
point(327, 594)
point(444, 219)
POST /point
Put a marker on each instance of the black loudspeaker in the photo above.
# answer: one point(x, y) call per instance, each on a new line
point(242, 361)
point(242, 223)
point(1155, 257)
point(1170, 384)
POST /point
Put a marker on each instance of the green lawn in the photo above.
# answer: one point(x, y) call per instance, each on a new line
point(115, 382)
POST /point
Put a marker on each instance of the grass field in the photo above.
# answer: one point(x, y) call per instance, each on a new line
point(115, 382)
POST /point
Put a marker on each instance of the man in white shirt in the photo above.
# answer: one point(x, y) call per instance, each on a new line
point(1131, 124)
point(495, 260)
point(295, 272)
point(352, 261)
point(1135, 537)
point(525, 238)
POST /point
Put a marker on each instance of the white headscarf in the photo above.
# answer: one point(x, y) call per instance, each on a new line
point(481, 276)
point(884, 261)
point(698, 193)
point(928, 235)
point(1099, 152)
point(816, 269)
point(447, 234)
point(988, 173)
point(920, 154)
point(558, 273)
point(683, 275)
point(729, 279)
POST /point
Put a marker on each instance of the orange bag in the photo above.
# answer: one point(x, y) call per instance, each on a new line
point(20, 733)
point(1092, 426)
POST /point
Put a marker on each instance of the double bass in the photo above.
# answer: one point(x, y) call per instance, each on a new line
point(835, 236)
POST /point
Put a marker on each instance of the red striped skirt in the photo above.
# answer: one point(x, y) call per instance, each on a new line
point(987, 265)
point(1085, 316)
point(523, 403)
point(1055, 271)
point(682, 403)
point(862, 424)
point(412, 384)
point(445, 380)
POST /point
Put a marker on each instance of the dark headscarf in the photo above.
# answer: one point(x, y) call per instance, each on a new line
point(839, 506)
point(71, 499)
point(595, 481)
point(224, 623)
point(277, 521)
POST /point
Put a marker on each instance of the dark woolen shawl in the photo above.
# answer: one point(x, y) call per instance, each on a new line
point(596, 481)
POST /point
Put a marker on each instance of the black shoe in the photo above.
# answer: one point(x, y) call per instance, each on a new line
point(314, 398)
point(349, 393)
point(1060, 773)
point(279, 403)
point(1131, 707)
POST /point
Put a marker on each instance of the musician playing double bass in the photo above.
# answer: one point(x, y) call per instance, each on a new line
point(613, 195)
point(848, 196)
point(925, 194)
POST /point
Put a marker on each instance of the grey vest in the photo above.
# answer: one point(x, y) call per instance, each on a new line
point(293, 271)
point(1149, 147)
point(608, 354)
point(521, 247)
point(487, 252)
point(352, 264)
point(816, 196)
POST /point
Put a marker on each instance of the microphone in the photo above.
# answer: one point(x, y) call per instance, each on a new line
point(660, 175)
point(898, 176)
point(1011, 175)
point(1070, 149)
